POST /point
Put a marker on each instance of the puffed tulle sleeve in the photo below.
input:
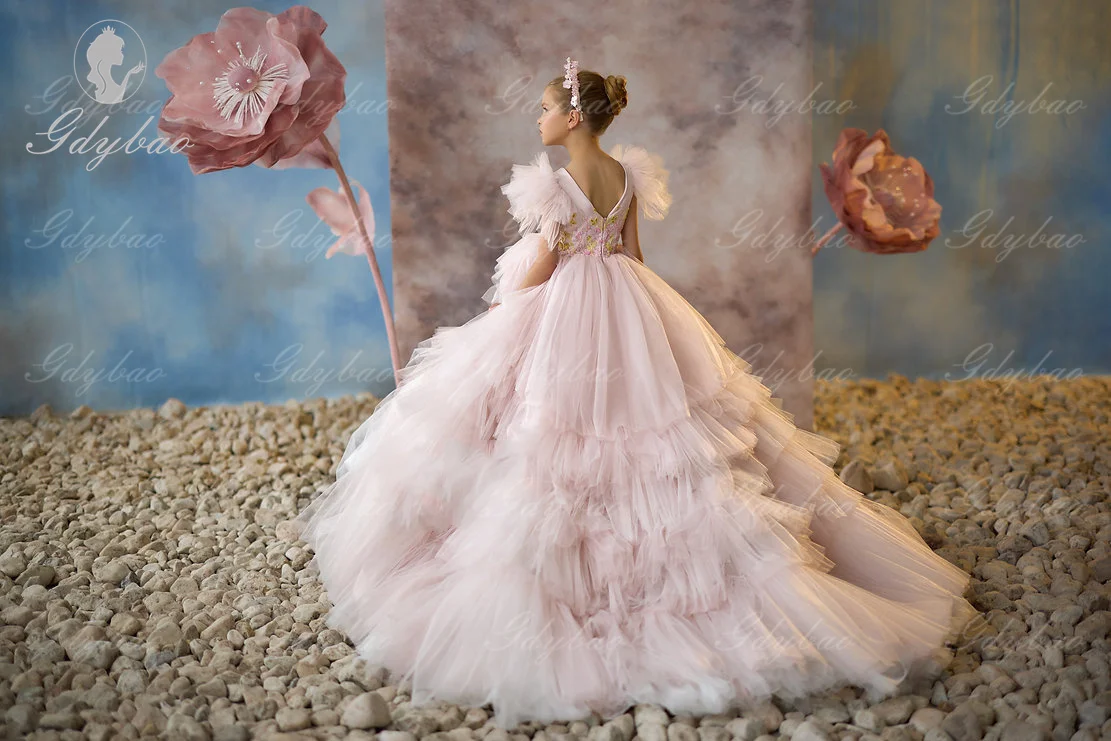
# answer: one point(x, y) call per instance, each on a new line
point(541, 206)
point(648, 178)
point(537, 200)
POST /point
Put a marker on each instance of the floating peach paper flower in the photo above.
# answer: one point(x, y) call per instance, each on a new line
point(259, 89)
point(334, 210)
point(883, 199)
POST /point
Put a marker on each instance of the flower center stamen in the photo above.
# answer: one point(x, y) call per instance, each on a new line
point(246, 85)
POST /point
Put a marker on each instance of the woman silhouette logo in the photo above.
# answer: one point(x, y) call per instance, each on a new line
point(99, 50)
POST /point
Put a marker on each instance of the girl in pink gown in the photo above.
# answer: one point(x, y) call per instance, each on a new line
point(582, 500)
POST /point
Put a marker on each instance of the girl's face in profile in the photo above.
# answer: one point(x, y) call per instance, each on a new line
point(552, 120)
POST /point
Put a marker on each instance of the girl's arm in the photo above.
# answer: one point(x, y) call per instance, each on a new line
point(629, 237)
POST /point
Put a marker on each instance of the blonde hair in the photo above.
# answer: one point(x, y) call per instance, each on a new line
point(600, 98)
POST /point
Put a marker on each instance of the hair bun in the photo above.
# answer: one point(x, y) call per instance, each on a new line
point(615, 91)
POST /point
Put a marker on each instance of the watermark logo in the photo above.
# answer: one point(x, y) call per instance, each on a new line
point(976, 231)
point(749, 94)
point(102, 51)
point(57, 366)
point(85, 240)
point(1006, 107)
point(289, 366)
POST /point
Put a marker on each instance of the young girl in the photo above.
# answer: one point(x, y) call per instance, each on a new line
point(582, 500)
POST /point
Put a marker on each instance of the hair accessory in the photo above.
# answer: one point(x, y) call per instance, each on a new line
point(571, 80)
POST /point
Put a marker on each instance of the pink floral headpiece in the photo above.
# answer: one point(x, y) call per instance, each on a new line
point(571, 80)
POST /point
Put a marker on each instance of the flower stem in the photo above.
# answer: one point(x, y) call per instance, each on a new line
point(826, 237)
point(387, 314)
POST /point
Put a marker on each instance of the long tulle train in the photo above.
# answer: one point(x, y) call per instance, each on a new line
point(583, 500)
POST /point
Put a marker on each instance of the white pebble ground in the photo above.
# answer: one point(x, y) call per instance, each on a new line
point(151, 584)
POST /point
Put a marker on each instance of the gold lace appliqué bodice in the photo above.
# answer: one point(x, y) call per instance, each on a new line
point(592, 234)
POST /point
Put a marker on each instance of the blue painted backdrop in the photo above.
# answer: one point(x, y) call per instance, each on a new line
point(1007, 106)
point(129, 280)
point(215, 288)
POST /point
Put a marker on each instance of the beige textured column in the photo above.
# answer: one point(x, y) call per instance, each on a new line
point(707, 91)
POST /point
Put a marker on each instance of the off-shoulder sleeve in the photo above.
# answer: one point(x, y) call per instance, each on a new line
point(537, 200)
point(648, 179)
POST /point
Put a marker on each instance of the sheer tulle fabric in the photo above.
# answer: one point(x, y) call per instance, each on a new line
point(583, 500)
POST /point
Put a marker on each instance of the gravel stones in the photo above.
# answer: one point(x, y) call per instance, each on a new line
point(151, 582)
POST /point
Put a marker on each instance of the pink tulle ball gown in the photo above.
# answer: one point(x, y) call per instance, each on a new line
point(582, 500)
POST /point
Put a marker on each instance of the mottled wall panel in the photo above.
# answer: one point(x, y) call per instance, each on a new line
point(464, 81)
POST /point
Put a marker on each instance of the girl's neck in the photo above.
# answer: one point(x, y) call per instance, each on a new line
point(584, 150)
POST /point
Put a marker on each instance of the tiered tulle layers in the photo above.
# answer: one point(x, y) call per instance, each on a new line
point(583, 500)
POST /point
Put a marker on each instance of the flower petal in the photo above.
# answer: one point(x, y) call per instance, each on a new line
point(332, 208)
point(353, 243)
point(300, 103)
point(313, 156)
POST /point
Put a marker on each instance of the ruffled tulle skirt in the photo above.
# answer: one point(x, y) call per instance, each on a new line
point(582, 500)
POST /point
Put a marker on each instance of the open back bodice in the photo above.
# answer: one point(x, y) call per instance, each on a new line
point(589, 232)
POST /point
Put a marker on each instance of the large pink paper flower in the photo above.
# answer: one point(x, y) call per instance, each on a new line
point(335, 210)
point(260, 89)
point(883, 199)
